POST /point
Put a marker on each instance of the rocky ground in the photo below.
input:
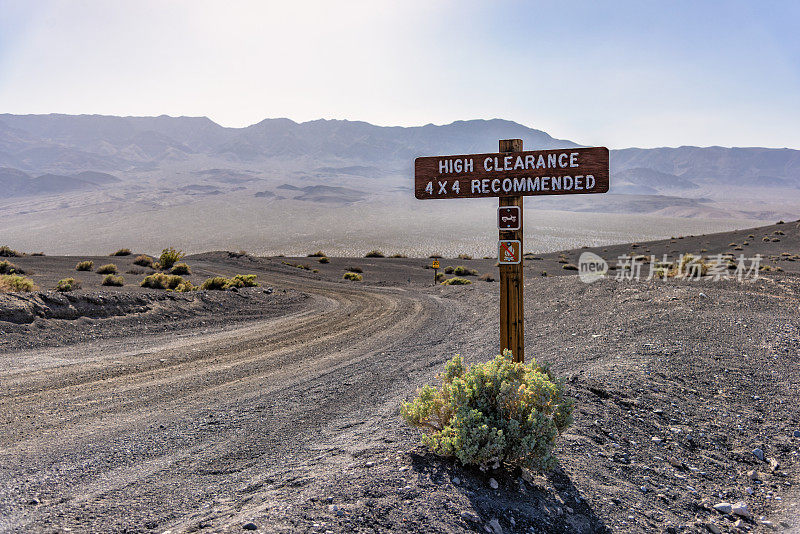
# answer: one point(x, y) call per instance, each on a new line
point(277, 410)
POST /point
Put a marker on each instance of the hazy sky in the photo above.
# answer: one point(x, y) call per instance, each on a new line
point(639, 73)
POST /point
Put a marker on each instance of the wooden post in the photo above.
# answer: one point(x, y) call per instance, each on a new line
point(512, 318)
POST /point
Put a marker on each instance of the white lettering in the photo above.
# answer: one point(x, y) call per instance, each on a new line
point(562, 160)
point(555, 183)
point(545, 185)
point(468, 165)
point(458, 165)
point(519, 184)
point(442, 190)
point(476, 186)
point(495, 186)
point(578, 182)
point(533, 184)
point(568, 182)
point(540, 164)
point(429, 188)
point(456, 187)
point(507, 185)
point(442, 166)
point(573, 159)
point(487, 164)
point(519, 164)
point(497, 166)
point(485, 185)
point(551, 161)
point(530, 162)
point(507, 163)
point(589, 181)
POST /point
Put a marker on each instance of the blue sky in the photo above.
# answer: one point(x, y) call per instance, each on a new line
point(603, 73)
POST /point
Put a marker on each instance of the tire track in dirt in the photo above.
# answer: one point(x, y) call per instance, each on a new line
point(72, 431)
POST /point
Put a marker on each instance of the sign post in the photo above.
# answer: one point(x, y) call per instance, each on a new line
point(435, 271)
point(511, 175)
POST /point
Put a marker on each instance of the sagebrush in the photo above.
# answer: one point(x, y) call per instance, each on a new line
point(15, 283)
point(109, 268)
point(113, 280)
point(355, 277)
point(496, 413)
point(169, 257)
point(67, 284)
point(162, 281)
point(180, 269)
point(84, 266)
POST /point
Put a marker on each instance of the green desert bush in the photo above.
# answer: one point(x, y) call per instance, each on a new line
point(15, 283)
point(324, 259)
point(456, 281)
point(569, 267)
point(463, 271)
point(8, 252)
point(243, 280)
point(68, 284)
point(108, 268)
point(217, 283)
point(355, 277)
point(113, 280)
point(439, 277)
point(144, 260)
point(162, 281)
point(169, 257)
point(463, 256)
point(6, 267)
point(84, 266)
point(121, 252)
point(496, 413)
point(317, 254)
point(449, 269)
point(180, 269)
point(185, 287)
point(374, 254)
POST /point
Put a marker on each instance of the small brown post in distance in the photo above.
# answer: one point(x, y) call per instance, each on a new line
point(512, 318)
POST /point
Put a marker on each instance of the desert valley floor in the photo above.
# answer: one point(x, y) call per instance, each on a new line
point(275, 408)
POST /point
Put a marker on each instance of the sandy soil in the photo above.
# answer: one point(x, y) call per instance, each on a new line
point(134, 410)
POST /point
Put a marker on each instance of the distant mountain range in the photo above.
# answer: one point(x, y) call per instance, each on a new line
point(92, 164)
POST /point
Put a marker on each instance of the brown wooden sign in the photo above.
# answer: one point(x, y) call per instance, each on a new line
point(510, 174)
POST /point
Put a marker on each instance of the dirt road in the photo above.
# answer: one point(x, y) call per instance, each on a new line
point(134, 433)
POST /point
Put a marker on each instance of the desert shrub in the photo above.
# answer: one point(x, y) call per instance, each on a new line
point(185, 287)
point(121, 252)
point(37, 253)
point(243, 280)
point(144, 260)
point(355, 277)
point(455, 281)
point(463, 271)
point(435, 256)
point(779, 232)
point(68, 284)
point(216, 283)
point(543, 273)
point(162, 281)
point(16, 283)
point(238, 254)
point(448, 270)
point(775, 240)
point(109, 268)
point(314, 270)
point(355, 269)
point(464, 257)
point(496, 413)
point(84, 266)
point(324, 259)
point(113, 280)
point(8, 252)
point(569, 267)
point(398, 256)
point(6, 267)
point(181, 269)
point(169, 257)
point(487, 278)
point(317, 254)
point(374, 254)
point(439, 277)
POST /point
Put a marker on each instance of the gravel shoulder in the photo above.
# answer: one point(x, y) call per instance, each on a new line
point(186, 415)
